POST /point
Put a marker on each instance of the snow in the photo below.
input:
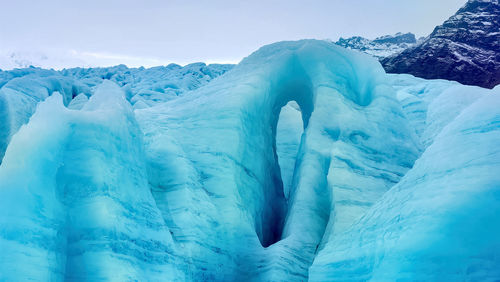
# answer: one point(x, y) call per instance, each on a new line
point(380, 47)
point(20, 58)
point(304, 161)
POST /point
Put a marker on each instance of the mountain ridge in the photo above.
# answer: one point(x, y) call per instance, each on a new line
point(380, 47)
point(465, 48)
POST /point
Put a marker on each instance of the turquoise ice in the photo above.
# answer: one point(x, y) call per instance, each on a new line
point(303, 162)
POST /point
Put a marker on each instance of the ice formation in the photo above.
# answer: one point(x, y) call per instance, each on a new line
point(304, 161)
point(22, 89)
point(440, 222)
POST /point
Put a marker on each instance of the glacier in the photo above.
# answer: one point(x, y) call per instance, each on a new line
point(22, 89)
point(305, 161)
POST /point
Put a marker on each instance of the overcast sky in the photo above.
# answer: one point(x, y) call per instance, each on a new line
point(153, 32)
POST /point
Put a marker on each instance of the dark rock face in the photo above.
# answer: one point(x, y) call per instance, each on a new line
point(465, 48)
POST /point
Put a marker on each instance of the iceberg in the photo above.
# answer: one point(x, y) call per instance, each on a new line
point(305, 161)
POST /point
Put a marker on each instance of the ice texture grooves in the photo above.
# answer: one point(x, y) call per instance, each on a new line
point(306, 161)
point(22, 89)
point(85, 211)
point(440, 222)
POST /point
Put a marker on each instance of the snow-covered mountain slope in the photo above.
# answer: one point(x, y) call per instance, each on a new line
point(380, 47)
point(465, 48)
point(305, 161)
point(15, 59)
point(61, 58)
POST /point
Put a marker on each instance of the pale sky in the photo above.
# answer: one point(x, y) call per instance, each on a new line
point(153, 32)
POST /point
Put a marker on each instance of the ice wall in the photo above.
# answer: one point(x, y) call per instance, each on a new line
point(20, 94)
point(441, 221)
point(76, 204)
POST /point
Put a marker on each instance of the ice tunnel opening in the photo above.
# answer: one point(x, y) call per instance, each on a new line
point(289, 131)
point(289, 120)
point(288, 128)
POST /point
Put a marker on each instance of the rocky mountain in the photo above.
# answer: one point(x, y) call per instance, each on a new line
point(380, 47)
point(465, 48)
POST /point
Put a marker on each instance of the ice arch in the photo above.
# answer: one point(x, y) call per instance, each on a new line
point(285, 86)
point(225, 133)
point(209, 173)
